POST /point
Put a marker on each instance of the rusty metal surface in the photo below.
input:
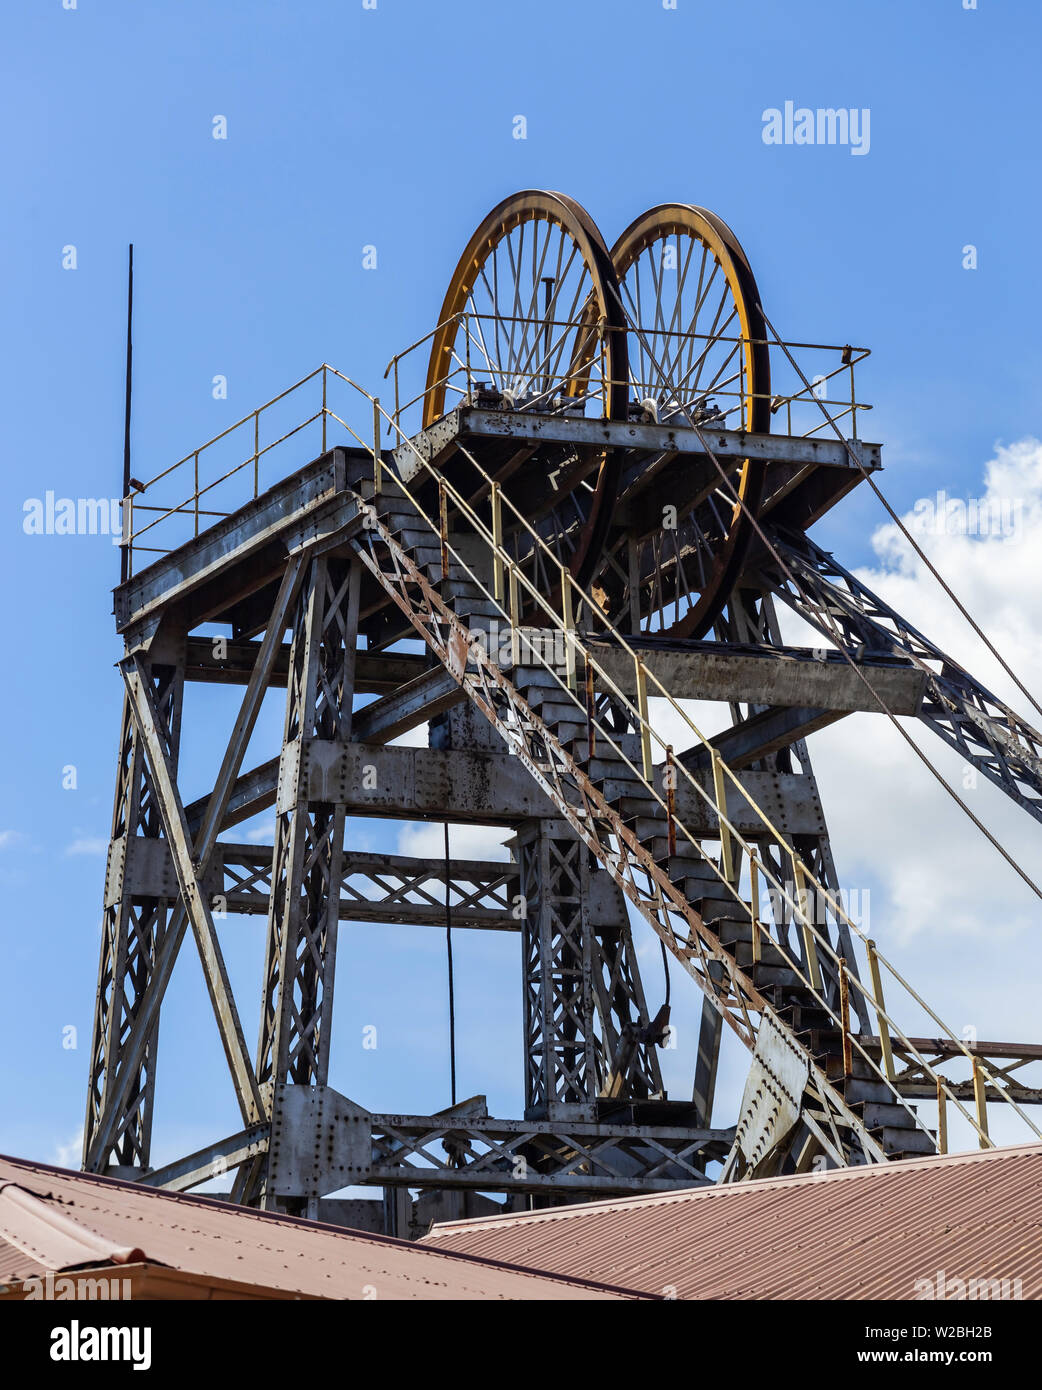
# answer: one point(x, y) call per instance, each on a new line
point(54, 1219)
point(855, 1233)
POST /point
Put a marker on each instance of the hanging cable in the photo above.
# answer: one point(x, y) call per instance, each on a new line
point(852, 454)
point(448, 951)
point(665, 969)
point(837, 638)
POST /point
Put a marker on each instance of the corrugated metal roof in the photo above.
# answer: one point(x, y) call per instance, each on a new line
point(53, 1219)
point(856, 1233)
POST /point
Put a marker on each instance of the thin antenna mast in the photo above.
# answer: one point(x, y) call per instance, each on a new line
point(124, 557)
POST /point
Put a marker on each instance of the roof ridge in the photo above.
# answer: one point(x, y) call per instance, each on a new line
point(279, 1218)
point(45, 1228)
point(708, 1191)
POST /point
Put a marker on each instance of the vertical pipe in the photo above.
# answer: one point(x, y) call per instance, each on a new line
point(942, 1118)
point(125, 550)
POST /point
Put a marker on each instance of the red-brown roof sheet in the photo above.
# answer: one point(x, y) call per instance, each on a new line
point(53, 1219)
point(857, 1233)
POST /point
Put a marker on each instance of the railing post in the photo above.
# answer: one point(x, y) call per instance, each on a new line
point(515, 613)
point(591, 710)
point(323, 407)
point(443, 530)
point(497, 544)
point(844, 1013)
point(720, 796)
point(980, 1096)
point(642, 710)
point(127, 565)
point(754, 891)
point(377, 460)
point(810, 947)
point(567, 624)
point(877, 997)
point(466, 338)
point(197, 492)
point(942, 1117)
point(256, 453)
point(671, 801)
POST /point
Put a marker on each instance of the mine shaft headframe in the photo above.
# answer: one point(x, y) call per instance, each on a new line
point(698, 354)
point(533, 320)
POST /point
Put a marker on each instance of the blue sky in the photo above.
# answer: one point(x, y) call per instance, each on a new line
point(392, 127)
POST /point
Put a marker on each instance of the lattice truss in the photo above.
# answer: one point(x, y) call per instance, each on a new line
point(576, 429)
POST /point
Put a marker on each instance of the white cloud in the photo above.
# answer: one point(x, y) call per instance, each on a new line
point(88, 844)
point(889, 815)
point(465, 841)
point(69, 1155)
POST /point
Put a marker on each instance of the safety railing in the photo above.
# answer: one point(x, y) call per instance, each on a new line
point(740, 879)
point(739, 864)
point(243, 460)
point(484, 366)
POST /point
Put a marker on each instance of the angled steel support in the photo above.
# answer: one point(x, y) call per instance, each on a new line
point(121, 1072)
point(982, 729)
point(193, 897)
point(118, 1133)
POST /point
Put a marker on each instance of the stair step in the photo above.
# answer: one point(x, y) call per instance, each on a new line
point(858, 1089)
point(764, 976)
point(883, 1116)
point(906, 1142)
point(743, 954)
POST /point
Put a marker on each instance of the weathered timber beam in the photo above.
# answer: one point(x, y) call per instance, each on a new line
point(764, 676)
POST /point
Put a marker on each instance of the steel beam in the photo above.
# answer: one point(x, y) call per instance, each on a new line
point(468, 423)
point(211, 1162)
point(764, 675)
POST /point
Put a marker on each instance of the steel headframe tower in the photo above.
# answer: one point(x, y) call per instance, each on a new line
point(593, 511)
